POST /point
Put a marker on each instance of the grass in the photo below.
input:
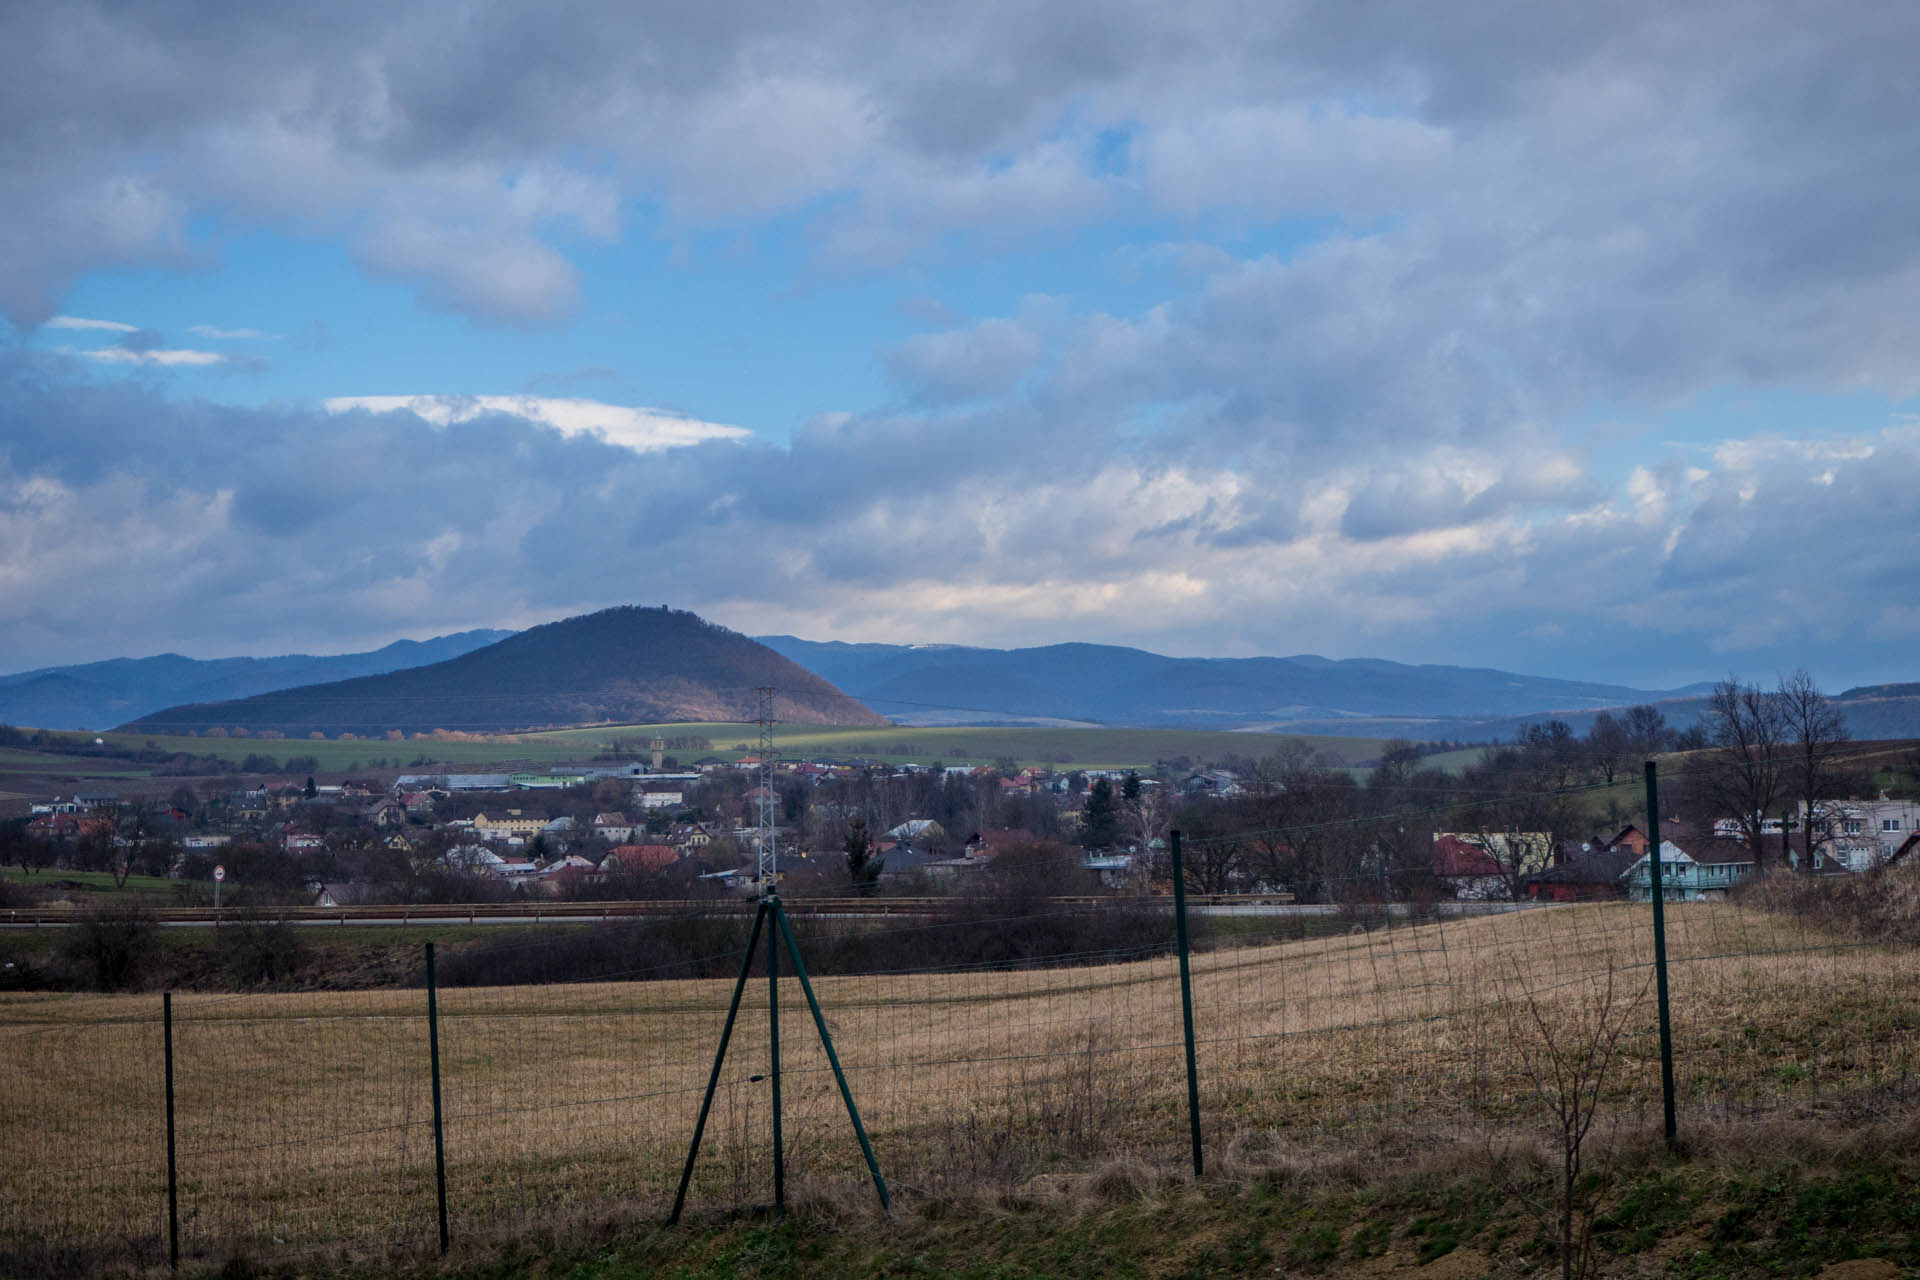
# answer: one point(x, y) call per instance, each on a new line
point(23, 759)
point(1720, 1212)
point(1101, 748)
point(304, 1118)
point(158, 888)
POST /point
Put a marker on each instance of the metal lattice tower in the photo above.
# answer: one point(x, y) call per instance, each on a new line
point(769, 870)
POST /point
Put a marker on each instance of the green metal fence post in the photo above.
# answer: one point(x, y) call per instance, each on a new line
point(772, 905)
point(833, 1058)
point(1186, 998)
point(173, 1173)
point(1660, 951)
point(439, 1132)
point(719, 1058)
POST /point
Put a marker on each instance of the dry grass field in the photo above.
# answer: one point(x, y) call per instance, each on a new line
point(304, 1121)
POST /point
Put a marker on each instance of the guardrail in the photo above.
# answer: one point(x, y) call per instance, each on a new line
point(589, 912)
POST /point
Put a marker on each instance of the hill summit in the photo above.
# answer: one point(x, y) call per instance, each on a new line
point(622, 665)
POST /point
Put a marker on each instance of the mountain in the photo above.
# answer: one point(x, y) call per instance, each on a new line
point(623, 665)
point(1106, 684)
point(97, 694)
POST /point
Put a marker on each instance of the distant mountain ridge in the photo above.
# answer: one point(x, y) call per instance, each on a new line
point(622, 665)
point(1111, 684)
point(96, 695)
point(958, 684)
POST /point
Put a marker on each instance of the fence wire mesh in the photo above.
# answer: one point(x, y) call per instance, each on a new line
point(988, 1043)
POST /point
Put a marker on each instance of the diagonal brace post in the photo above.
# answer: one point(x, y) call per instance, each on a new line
point(833, 1058)
point(719, 1058)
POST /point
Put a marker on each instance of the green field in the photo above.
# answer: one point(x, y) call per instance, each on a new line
point(1028, 745)
point(156, 888)
point(25, 760)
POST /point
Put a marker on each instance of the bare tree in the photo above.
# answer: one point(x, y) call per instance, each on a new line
point(1744, 776)
point(1214, 850)
point(1609, 746)
point(1523, 803)
point(1298, 818)
point(1567, 1063)
point(1647, 730)
point(1145, 821)
point(1817, 733)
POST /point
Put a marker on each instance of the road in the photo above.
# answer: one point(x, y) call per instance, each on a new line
point(575, 913)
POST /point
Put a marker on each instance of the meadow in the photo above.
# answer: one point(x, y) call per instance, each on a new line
point(305, 1119)
point(1095, 748)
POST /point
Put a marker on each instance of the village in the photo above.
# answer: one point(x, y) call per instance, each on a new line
point(648, 828)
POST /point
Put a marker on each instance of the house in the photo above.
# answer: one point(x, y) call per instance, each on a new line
point(474, 858)
point(341, 894)
point(388, 813)
point(1480, 865)
point(1115, 870)
point(1713, 868)
point(640, 859)
point(511, 823)
point(1464, 868)
point(689, 835)
point(1217, 782)
point(903, 862)
point(418, 804)
point(69, 826)
point(202, 841)
point(919, 831)
point(1862, 834)
point(987, 843)
point(1629, 837)
point(1590, 876)
point(569, 870)
point(614, 827)
point(661, 796)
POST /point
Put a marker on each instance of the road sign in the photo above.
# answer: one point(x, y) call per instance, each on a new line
point(219, 873)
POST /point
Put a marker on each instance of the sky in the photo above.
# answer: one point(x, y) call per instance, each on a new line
point(1579, 340)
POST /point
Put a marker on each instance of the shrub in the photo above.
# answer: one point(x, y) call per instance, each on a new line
point(259, 948)
point(112, 946)
point(986, 931)
point(1882, 905)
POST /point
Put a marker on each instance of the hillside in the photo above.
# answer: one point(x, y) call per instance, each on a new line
point(1107, 684)
point(94, 695)
point(626, 665)
point(1875, 712)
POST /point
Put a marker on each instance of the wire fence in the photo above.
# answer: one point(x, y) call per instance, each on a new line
point(1009, 1041)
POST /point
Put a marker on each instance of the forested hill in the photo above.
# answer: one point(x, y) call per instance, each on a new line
point(95, 695)
point(1114, 685)
point(623, 665)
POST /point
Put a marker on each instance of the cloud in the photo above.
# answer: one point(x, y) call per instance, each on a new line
point(1657, 191)
point(78, 322)
point(639, 429)
point(1386, 264)
point(230, 335)
point(279, 527)
point(962, 364)
point(163, 356)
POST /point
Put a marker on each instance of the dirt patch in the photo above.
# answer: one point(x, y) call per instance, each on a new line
point(1861, 1269)
point(1461, 1264)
